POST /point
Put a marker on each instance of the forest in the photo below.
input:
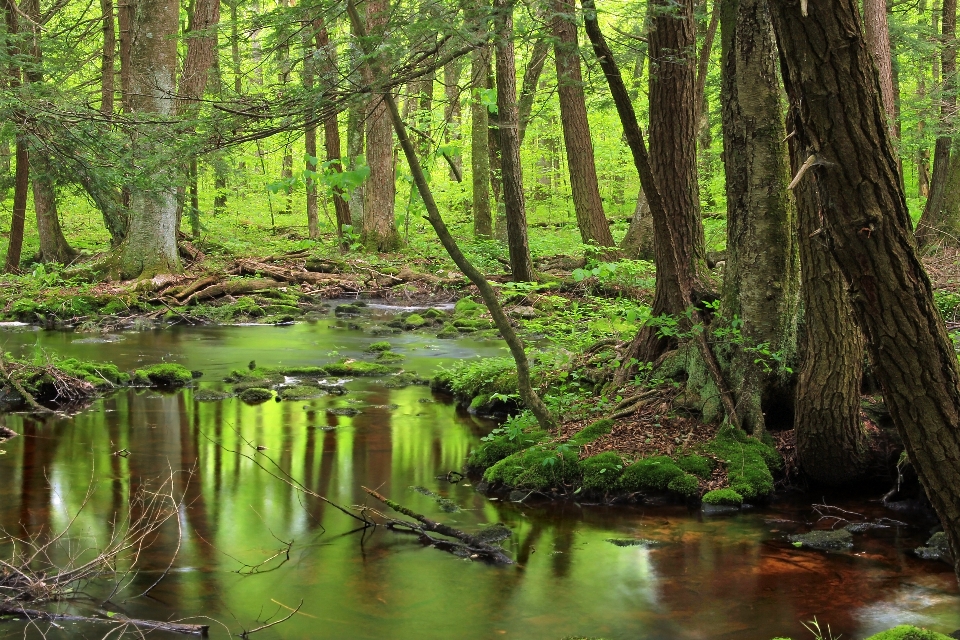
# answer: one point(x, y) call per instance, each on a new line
point(430, 319)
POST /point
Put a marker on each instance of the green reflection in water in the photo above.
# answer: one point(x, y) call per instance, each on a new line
point(721, 578)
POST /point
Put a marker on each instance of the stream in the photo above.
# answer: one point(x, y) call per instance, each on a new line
point(712, 577)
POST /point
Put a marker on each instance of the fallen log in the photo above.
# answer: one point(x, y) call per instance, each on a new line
point(193, 287)
point(473, 544)
point(234, 287)
point(116, 619)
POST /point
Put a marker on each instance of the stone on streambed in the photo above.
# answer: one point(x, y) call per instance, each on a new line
point(256, 395)
point(634, 542)
point(831, 540)
point(210, 395)
point(936, 549)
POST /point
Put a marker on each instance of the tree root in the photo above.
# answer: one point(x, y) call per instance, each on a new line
point(234, 287)
point(476, 547)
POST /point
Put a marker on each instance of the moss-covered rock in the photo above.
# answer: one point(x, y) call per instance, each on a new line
point(210, 395)
point(377, 347)
point(469, 325)
point(448, 332)
point(650, 473)
point(591, 432)
point(517, 433)
point(98, 374)
point(256, 395)
point(282, 310)
point(909, 632)
point(602, 472)
point(747, 459)
point(414, 321)
point(686, 485)
point(386, 357)
point(348, 309)
point(404, 379)
point(167, 374)
point(539, 467)
point(300, 392)
point(823, 540)
point(433, 314)
point(468, 308)
point(723, 497)
point(937, 548)
point(357, 368)
point(246, 307)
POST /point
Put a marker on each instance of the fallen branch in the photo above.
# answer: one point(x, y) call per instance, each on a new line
point(195, 286)
point(234, 287)
point(117, 619)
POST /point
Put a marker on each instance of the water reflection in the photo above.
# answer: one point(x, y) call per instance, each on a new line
point(721, 578)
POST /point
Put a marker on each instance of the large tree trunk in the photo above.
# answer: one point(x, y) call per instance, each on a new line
point(840, 126)
point(878, 39)
point(521, 264)
point(576, 129)
point(480, 145)
point(934, 212)
point(761, 279)
point(21, 184)
point(331, 128)
point(150, 245)
point(379, 229)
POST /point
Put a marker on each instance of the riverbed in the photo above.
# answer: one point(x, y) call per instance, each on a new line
point(248, 547)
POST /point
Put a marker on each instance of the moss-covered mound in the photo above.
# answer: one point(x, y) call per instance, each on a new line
point(98, 374)
point(601, 473)
point(723, 497)
point(356, 368)
point(908, 632)
point(379, 346)
point(255, 395)
point(539, 468)
point(300, 392)
point(387, 357)
point(515, 435)
point(591, 432)
point(748, 461)
point(210, 395)
point(163, 375)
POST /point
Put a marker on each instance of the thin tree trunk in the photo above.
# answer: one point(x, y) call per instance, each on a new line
point(107, 70)
point(933, 211)
point(865, 222)
point(878, 39)
point(356, 115)
point(582, 168)
point(761, 279)
point(125, 10)
point(453, 113)
point(521, 264)
point(312, 161)
point(235, 47)
point(21, 184)
point(531, 78)
point(480, 145)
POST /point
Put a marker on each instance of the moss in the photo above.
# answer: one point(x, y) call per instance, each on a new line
point(748, 461)
point(517, 433)
point(479, 402)
point(414, 321)
point(404, 379)
point(282, 310)
point(469, 308)
point(348, 309)
point(246, 307)
point(686, 485)
point(725, 497)
point(908, 632)
point(356, 368)
point(650, 473)
point(433, 314)
point(539, 467)
point(96, 373)
point(390, 356)
point(468, 325)
point(448, 332)
point(300, 392)
point(823, 540)
point(379, 346)
point(305, 371)
point(602, 472)
point(697, 465)
point(164, 375)
point(592, 432)
point(210, 395)
point(256, 395)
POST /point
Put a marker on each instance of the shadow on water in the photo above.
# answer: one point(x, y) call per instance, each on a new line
point(733, 577)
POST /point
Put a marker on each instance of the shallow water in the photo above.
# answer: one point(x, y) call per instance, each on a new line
point(729, 577)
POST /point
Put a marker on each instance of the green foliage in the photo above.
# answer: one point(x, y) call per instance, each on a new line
point(602, 472)
point(483, 376)
point(539, 467)
point(686, 485)
point(96, 373)
point(167, 374)
point(591, 432)
point(726, 497)
point(948, 303)
point(748, 461)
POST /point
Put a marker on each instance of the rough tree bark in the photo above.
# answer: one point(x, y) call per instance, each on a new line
point(521, 264)
point(841, 127)
point(331, 127)
point(584, 185)
point(531, 78)
point(379, 228)
point(480, 145)
point(150, 245)
point(21, 184)
point(878, 39)
point(761, 279)
point(107, 67)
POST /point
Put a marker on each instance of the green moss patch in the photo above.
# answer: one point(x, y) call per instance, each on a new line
point(469, 308)
point(697, 465)
point(517, 433)
point(748, 461)
point(300, 392)
point(602, 472)
point(539, 467)
point(98, 374)
point(908, 632)
point(650, 473)
point(723, 497)
point(591, 432)
point(255, 395)
point(414, 321)
point(210, 395)
point(379, 346)
point(404, 379)
point(390, 356)
point(356, 368)
point(433, 314)
point(164, 375)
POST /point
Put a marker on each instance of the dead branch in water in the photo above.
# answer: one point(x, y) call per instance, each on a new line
point(473, 546)
point(117, 620)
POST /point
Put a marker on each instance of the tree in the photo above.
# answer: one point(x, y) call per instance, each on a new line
point(379, 228)
point(576, 128)
point(878, 38)
point(150, 245)
point(841, 128)
point(521, 264)
point(761, 278)
point(22, 178)
point(480, 144)
point(107, 65)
